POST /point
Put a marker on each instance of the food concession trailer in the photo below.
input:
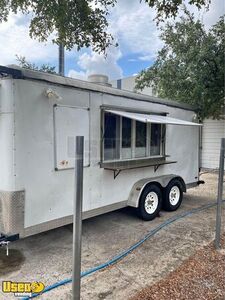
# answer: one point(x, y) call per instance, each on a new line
point(140, 151)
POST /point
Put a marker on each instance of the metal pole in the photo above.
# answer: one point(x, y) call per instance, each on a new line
point(61, 60)
point(77, 219)
point(220, 194)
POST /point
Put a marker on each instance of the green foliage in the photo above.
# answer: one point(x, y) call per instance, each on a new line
point(168, 8)
point(81, 23)
point(190, 67)
point(31, 66)
point(75, 22)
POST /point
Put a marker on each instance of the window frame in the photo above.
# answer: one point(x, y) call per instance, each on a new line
point(133, 141)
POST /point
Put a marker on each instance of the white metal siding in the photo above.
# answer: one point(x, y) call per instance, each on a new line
point(7, 163)
point(213, 131)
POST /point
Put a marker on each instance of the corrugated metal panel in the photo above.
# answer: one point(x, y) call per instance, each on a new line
point(152, 118)
point(213, 131)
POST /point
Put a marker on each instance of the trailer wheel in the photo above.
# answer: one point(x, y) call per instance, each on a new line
point(173, 195)
point(150, 202)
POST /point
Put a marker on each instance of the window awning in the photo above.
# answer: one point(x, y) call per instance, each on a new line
point(152, 118)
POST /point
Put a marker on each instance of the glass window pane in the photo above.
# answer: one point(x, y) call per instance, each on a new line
point(126, 133)
point(126, 138)
point(155, 147)
point(140, 142)
point(111, 137)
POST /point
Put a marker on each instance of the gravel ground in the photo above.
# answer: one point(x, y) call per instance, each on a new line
point(47, 257)
point(201, 277)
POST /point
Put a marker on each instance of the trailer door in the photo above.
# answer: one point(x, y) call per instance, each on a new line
point(70, 122)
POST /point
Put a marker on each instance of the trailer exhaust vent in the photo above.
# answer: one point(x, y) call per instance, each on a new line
point(99, 79)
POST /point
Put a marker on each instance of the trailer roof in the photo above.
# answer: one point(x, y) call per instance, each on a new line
point(19, 73)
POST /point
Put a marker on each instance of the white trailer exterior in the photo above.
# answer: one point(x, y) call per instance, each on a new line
point(40, 115)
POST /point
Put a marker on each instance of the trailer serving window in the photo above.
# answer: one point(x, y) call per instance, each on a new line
point(135, 140)
point(126, 138)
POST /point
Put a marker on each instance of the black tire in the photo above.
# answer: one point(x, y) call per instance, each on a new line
point(142, 210)
point(170, 202)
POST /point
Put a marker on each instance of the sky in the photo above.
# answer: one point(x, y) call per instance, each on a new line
point(132, 26)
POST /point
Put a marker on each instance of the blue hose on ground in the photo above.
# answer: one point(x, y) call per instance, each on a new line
point(124, 253)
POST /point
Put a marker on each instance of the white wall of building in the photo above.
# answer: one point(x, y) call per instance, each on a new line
point(212, 132)
point(128, 83)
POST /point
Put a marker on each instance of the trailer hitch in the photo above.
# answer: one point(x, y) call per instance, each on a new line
point(6, 239)
point(200, 182)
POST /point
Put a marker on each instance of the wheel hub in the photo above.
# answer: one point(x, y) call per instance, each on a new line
point(151, 202)
point(174, 195)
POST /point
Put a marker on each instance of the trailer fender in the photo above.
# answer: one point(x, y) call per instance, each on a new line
point(139, 186)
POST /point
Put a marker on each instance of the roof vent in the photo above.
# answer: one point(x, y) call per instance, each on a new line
point(99, 79)
point(13, 66)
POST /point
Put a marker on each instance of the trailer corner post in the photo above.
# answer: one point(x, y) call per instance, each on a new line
point(77, 218)
point(220, 194)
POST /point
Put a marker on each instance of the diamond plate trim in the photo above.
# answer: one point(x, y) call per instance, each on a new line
point(12, 215)
point(12, 212)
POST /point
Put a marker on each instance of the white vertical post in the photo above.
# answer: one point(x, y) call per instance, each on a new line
point(77, 219)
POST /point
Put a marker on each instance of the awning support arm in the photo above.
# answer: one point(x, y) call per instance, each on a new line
point(116, 173)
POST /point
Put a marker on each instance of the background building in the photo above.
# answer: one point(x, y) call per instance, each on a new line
point(128, 83)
